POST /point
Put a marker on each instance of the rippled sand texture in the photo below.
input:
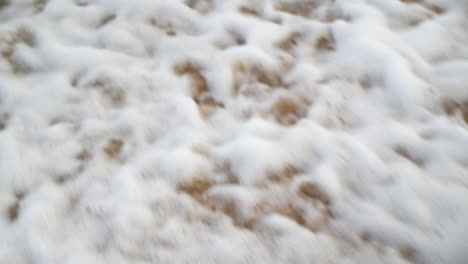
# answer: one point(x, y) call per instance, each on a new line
point(233, 131)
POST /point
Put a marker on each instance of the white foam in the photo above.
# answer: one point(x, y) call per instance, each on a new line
point(209, 131)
